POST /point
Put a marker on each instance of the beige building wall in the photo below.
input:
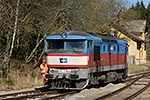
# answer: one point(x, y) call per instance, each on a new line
point(142, 51)
point(132, 49)
point(135, 56)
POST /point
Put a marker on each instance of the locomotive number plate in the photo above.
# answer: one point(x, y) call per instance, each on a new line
point(64, 70)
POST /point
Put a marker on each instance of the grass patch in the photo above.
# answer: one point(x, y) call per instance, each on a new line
point(145, 65)
point(9, 82)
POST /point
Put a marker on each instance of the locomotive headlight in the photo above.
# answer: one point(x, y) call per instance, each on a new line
point(75, 70)
point(52, 70)
point(63, 35)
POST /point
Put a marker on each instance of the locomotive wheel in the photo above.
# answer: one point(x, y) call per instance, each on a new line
point(73, 84)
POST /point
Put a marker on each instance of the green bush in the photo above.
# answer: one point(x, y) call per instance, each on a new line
point(9, 82)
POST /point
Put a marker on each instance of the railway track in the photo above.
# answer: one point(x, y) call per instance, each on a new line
point(124, 93)
point(45, 93)
point(18, 94)
point(133, 77)
point(42, 94)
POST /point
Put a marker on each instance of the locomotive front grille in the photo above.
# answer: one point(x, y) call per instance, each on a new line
point(49, 76)
point(74, 76)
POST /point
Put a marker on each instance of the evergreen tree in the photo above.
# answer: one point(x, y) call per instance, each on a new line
point(148, 24)
point(137, 6)
point(143, 11)
point(148, 14)
point(133, 8)
point(144, 15)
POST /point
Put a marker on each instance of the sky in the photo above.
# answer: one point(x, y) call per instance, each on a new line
point(146, 2)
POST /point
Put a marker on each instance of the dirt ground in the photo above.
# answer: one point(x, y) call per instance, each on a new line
point(135, 69)
point(139, 68)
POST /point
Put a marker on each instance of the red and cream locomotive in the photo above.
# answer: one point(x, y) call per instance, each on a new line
point(77, 59)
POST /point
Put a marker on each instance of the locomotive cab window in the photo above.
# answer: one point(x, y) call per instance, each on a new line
point(52, 44)
point(72, 45)
point(75, 45)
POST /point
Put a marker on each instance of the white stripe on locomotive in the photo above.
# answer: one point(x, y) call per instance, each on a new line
point(80, 60)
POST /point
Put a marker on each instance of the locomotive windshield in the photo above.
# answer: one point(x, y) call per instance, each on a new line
point(71, 45)
point(75, 45)
point(52, 44)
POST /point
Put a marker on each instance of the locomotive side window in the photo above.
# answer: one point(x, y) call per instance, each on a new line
point(89, 45)
point(104, 48)
point(118, 48)
point(114, 48)
point(108, 48)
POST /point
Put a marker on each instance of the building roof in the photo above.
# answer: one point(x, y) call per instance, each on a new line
point(129, 34)
point(136, 25)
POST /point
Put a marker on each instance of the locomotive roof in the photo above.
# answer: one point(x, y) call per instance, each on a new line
point(79, 33)
point(88, 34)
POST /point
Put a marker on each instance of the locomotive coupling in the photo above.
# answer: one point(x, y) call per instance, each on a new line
point(64, 83)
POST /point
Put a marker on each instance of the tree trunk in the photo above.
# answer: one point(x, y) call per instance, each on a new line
point(6, 62)
point(6, 57)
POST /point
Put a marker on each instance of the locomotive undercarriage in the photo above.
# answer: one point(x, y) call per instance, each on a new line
point(95, 78)
point(109, 76)
point(67, 83)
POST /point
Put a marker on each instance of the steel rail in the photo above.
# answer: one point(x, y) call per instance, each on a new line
point(135, 75)
point(59, 96)
point(138, 74)
point(37, 90)
point(121, 89)
point(15, 94)
point(137, 93)
point(31, 96)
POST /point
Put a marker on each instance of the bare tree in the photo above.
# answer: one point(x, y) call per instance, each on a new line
point(99, 15)
point(50, 23)
point(26, 25)
point(7, 27)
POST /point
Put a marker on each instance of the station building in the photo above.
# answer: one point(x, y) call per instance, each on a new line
point(134, 33)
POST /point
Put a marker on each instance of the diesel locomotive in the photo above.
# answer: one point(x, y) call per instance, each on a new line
point(77, 59)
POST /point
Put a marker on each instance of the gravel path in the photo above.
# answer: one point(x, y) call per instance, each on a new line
point(89, 94)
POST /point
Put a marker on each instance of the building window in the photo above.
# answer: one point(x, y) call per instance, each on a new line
point(138, 45)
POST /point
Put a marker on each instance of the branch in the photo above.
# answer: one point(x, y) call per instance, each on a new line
point(35, 65)
point(35, 48)
point(29, 14)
